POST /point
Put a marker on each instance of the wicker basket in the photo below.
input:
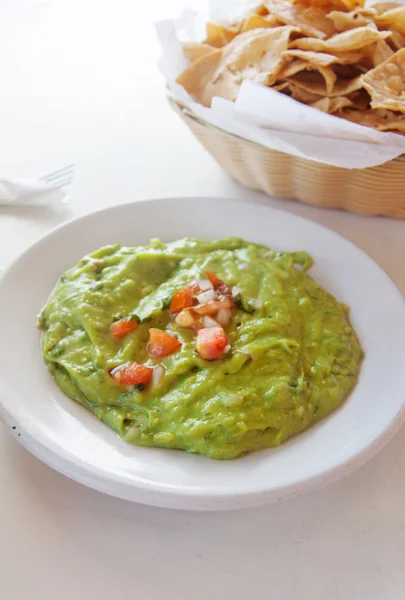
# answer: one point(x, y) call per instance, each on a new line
point(373, 191)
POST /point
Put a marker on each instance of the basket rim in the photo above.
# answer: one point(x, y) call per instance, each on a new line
point(179, 105)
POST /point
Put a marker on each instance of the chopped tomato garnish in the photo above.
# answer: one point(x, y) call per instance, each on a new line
point(193, 288)
point(212, 307)
point(180, 300)
point(219, 286)
point(212, 343)
point(222, 289)
point(161, 343)
point(213, 277)
point(132, 374)
point(123, 327)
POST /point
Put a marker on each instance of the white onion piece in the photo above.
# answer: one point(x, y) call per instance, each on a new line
point(243, 266)
point(204, 284)
point(257, 303)
point(206, 296)
point(157, 376)
point(209, 322)
point(227, 348)
point(236, 291)
point(223, 316)
point(184, 319)
point(232, 399)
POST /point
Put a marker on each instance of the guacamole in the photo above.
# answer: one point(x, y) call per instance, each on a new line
point(217, 348)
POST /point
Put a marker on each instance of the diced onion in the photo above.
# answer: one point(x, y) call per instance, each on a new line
point(236, 291)
point(232, 399)
point(209, 322)
point(158, 374)
point(206, 296)
point(227, 348)
point(184, 319)
point(204, 284)
point(223, 316)
point(243, 266)
point(257, 303)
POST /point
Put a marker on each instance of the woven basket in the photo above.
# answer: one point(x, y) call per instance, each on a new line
point(373, 191)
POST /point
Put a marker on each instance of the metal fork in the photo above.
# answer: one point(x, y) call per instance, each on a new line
point(60, 178)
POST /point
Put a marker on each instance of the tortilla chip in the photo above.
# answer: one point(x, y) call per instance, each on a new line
point(324, 60)
point(292, 68)
point(261, 10)
point(332, 105)
point(343, 21)
point(386, 83)
point(396, 41)
point(281, 87)
point(299, 66)
point(311, 21)
point(351, 57)
point(318, 59)
point(360, 99)
point(196, 77)
point(254, 55)
point(302, 95)
point(354, 39)
point(382, 121)
point(219, 35)
point(392, 19)
point(349, 71)
point(256, 21)
point(382, 7)
point(194, 51)
point(380, 52)
point(345, 5)
point(315, 85)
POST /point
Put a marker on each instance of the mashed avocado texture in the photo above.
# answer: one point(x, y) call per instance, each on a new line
point(289, 356)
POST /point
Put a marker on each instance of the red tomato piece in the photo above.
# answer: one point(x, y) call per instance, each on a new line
point(219, 286)
point(222, 289)
point(180, 300)
point(212, 343)
point(193, 288)
point(213, 277)
point(132, 374)
point(123, 327)
point(161, 343)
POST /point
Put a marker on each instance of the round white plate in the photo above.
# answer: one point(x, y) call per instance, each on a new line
point(70, 439)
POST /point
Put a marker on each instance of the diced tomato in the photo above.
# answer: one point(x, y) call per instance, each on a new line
point(180, 300)
point(161, 343)
point(132, 374)
point(213, 277)
point(123, 327)
point(223, 290)
point(194, 288)
point(210, 308)
point(212, 343)
point(219, 286)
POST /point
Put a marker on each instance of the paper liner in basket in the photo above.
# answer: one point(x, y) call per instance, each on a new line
point(272, 119)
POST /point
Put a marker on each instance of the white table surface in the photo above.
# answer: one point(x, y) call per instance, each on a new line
point(79, 84)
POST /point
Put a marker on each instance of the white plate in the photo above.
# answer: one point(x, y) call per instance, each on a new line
point(73, 441)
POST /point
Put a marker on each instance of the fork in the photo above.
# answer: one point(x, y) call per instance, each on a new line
point(59, 178)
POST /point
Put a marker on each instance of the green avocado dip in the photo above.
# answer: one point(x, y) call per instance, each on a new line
point(218, 348)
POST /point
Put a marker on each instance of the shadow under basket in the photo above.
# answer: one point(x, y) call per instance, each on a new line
point(372, 191)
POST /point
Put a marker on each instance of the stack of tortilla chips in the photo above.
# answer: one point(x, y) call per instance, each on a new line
point(334, 55)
